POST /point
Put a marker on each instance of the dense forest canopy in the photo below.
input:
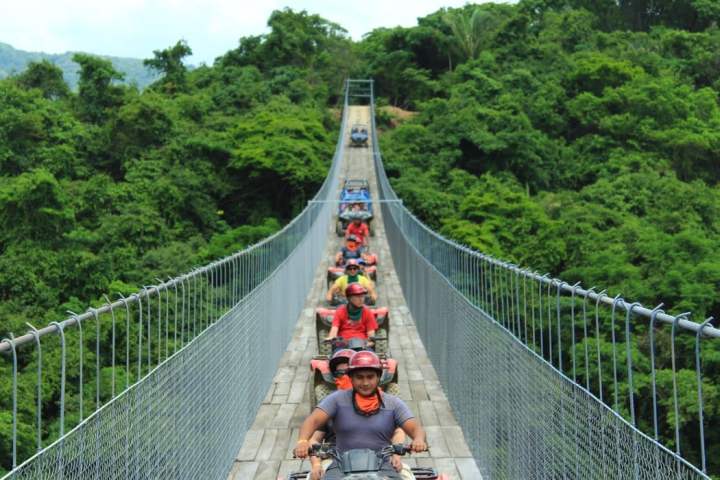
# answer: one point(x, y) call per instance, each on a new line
point(575, 137)
point(578, 138)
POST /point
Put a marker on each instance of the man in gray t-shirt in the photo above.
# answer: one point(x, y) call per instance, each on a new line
point(354, 430)
point(362, 417)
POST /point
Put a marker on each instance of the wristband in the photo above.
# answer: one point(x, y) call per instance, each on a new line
point(302, 440)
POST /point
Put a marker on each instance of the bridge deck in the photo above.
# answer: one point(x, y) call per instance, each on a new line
point(267, 450)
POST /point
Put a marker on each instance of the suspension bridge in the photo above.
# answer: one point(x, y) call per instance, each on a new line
point(206, 375)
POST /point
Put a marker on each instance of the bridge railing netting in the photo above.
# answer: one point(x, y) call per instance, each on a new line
point(166, 382)
point(538, 386)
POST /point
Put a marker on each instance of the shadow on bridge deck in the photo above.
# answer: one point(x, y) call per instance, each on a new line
point(267, 450)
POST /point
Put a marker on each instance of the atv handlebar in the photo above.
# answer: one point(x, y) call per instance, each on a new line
point(327, 450)
point(340, 342)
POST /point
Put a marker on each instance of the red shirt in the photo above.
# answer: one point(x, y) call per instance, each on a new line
point(360, 231)
point(350, 329)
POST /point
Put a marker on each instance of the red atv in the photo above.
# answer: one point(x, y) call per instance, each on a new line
point(368, 268)
point(323, 323)
point(323, 381)
point(365, 464)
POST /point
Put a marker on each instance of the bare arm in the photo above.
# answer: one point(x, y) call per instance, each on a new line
point(317, 437)
point(312, 423)
point(333, 333)
point(371, 290)
point(398, 437)
point(413, 428)
point(334, 289)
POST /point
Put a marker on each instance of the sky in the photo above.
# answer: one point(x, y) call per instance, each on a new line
point(134, 28)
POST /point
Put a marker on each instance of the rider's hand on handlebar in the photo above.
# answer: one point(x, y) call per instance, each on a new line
point(302, 449)
point(418, 446)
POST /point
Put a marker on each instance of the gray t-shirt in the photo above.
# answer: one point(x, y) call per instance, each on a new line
point(353, 430)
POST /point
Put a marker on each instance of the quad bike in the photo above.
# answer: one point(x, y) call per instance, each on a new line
point(346, 215)
point(354, 192)
point(323, 323)
point(359, 135)
point(365, 464)
point(323, 382)
point(367, 267)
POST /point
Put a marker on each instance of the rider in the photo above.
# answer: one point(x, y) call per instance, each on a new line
point(363, 418)
point(338, 367)
point(352, 275)
point(352, 250)
point(353, 320)
point(359, 229)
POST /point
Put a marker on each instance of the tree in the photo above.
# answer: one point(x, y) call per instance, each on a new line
point(468, 31)
point(97, 93)
point(170, 63)
point(46, 77)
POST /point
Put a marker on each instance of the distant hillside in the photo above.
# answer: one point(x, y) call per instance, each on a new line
point(13, 61)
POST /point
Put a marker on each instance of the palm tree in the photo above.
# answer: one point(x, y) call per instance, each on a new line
point(467, 30)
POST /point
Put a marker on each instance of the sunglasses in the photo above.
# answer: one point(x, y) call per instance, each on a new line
point(353, 268)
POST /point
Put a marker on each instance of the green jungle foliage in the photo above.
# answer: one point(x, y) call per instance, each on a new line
point(579, 138)
point(575, 137)
point(105, 189)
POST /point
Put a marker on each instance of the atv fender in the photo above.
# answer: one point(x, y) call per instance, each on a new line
point(381, 315)
point(324, 316)
point(391, 365)
point(320, 364)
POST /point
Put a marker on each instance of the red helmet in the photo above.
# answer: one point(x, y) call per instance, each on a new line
point(364, 360)
point(355, 289)
point(341, 356)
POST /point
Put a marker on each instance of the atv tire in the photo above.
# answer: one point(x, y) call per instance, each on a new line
point(339, 229)
point(324, 348)
point(381, 346)
point(372, 229)
point(322, 390)
point(392, 389)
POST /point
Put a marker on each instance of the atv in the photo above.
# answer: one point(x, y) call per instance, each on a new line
point(323, 323)
point(354, 201)
point(365, 464)
point(323, 382)
point(368, 269)
point(359, 135)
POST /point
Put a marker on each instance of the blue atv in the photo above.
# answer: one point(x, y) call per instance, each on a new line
point(355, 202)
point(359, 135)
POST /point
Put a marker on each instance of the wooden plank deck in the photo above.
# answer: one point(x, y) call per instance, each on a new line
point(267, 450)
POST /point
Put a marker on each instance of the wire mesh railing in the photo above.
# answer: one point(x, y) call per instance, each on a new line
point(547, 379)
point(164, 383)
